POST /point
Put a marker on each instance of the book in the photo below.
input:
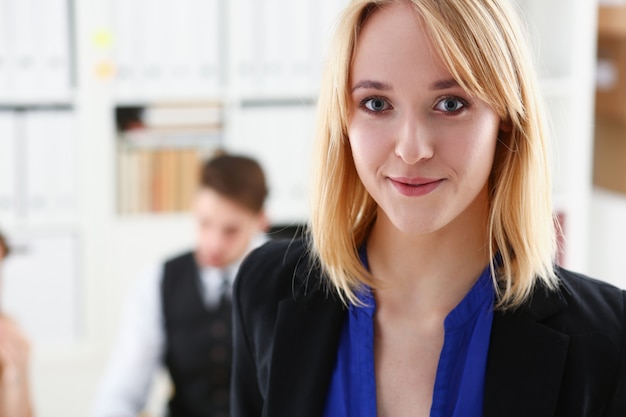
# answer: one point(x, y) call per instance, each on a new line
point(8, 168)
point(207, 116)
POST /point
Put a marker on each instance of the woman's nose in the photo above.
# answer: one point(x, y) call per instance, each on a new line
point(413, 142)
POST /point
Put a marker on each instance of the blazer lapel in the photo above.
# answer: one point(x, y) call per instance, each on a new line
point(305, 346)
point(526, 360)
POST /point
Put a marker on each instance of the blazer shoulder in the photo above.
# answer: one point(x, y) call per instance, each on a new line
point(278, 269)
point(592, 305)
point(585, 292)
point(276, 253)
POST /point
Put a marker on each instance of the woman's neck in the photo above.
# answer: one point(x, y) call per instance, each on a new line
point(429, 273)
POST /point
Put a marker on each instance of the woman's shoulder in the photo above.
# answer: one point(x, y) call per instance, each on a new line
point(582, 290)
point(278, 268)
point(276, 257)
point(277, 251)
point(591, 305)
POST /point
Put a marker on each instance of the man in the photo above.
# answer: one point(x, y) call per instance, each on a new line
point(15, 398)
point(180, 315)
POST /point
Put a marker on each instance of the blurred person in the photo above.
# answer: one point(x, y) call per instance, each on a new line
point(179, 316)
point(15, 396)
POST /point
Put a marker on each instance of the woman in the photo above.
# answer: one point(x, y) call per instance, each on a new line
point(15, 397)
point(427, 287)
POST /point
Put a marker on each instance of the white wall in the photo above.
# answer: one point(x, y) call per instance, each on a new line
point(607, 246)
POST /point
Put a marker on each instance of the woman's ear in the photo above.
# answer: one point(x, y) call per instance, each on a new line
point(506, 126)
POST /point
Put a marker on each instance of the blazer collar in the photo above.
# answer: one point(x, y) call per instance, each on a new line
point(526, 359)
point(524, 369)
point(308, 328)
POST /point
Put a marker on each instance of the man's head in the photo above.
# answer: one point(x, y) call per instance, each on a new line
point(229, 209)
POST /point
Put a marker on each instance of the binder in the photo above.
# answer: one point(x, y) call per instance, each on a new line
point(35, 57)
point(302, 45)
point(53, 44)
point(24, 31)
point(122, 174)
point(181, 63)
point(160, 116)
point(152, 29)
point(143, 180)
point(329, 13)
point(189, 173)
point(130, 39)
point(274, 43)
point(50, 166)
point(41, 289)
point(170, 179)
point(280, 137)
point(38, 148)
point(6, 56)
point(247, 41)
point(167, 49)
point(8, 168)
point(125, 19)
point(133, 181)
point(207, 36)
point(264, 58)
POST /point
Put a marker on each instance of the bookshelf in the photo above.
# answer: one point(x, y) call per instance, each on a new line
point(159, 152)
point(136, 54)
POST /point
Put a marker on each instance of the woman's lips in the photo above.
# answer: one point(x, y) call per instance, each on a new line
point(415, 187)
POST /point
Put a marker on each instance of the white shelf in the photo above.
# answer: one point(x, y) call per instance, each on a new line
point(67, 99)
point(146, 221)
point(142, 97)
point(277, 98)
point(43, 226)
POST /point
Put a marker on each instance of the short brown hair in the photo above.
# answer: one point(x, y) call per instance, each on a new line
point(239, 178)
point(4, 246)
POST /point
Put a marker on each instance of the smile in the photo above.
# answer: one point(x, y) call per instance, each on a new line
point(415, 187)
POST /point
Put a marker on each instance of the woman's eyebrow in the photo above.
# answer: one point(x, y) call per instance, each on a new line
point(377, 85)
point(444, 84)
point(370, 84)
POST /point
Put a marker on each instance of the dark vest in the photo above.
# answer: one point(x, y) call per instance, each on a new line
point(198, 343)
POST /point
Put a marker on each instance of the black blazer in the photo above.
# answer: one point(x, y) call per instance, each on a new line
point(563, 354)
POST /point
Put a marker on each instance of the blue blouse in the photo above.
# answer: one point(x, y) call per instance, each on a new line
point(460, 378)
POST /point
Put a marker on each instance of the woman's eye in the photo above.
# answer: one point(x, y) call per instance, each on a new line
point(375, 104)
point(450, 105)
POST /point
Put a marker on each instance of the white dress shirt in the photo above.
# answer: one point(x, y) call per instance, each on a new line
point(140, 347)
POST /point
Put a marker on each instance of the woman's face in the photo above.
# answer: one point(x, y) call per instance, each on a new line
point(422, 146)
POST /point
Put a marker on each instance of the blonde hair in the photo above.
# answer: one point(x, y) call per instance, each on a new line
point(482, 44)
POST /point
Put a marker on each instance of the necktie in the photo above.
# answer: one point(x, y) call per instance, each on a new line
point(225, 288)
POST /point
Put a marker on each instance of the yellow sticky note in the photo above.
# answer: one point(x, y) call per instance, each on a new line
point(102, 38)
point(104, 70)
